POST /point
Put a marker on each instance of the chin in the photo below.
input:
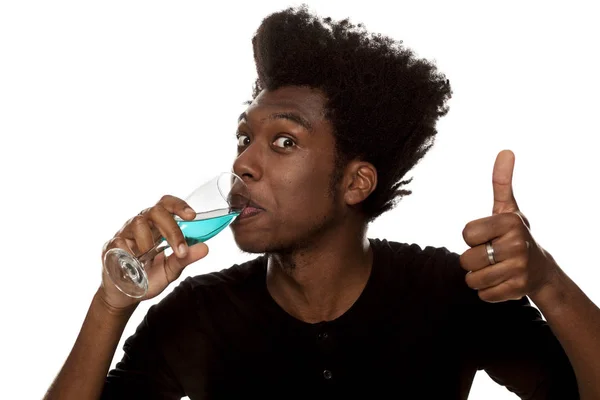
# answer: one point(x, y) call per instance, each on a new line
point(288, 238)
point(259, 244)
point(252, 248)
point(252, 245)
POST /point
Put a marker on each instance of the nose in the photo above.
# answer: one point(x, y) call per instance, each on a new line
point(248, 164)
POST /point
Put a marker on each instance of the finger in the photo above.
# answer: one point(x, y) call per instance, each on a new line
point(163, 220)
point(505, 291)
point(485, 229)
point(174, 266)
point(123, 228)
point(141, 232)
point(490, 276)
point(114, 243)
point(134, 227)
point(177, 206)
point(524, 218)
point(504, 200)
point(505, 248)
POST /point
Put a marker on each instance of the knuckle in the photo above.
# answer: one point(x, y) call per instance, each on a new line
point(138, 220)
point(112, 242)
point(522, 264)
point(469, 280)
point(155, 211)
point(464, 233)
point(115, 242)
point(168, 200)
point(462, 261)
point(484, 296)
point(519, 245)
point(468, 232)
point(515, 219)
point(164, 199)
point(174, 232)
point(107, 246)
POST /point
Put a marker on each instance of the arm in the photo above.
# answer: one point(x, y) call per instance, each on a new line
point(83, 375)
point(575, 321)
point(506, 263)
point(84, 372)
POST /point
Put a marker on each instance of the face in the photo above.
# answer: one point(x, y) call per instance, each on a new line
point(286, 156)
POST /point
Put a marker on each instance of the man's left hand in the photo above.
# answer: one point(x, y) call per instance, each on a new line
point(522, 267)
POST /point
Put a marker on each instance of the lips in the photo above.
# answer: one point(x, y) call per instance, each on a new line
point(250, 211)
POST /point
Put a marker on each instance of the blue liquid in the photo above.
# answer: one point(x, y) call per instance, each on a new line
point(201, 229)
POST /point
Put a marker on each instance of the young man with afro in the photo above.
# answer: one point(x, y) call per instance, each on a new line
point(337, 118)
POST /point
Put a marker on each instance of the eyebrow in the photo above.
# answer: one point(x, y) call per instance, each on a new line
point(290, 116)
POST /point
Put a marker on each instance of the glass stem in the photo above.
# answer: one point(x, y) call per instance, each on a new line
point(153, 252)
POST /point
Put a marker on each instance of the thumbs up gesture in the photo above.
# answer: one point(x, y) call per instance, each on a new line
point(504, 261)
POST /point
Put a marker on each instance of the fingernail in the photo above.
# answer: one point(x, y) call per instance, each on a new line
point(189, 210)
point(182, 250)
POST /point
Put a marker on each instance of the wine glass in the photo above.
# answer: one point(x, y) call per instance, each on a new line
point(217, 203)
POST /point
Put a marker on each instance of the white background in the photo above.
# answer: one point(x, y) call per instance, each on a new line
point(106, 106)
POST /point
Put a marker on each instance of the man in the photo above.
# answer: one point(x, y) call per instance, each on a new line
point(338, 117)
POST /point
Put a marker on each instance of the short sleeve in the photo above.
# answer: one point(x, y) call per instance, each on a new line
point(143, 372)
point(515, 346)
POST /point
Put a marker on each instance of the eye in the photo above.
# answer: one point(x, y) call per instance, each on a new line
point(284, 142)
point(243, 140)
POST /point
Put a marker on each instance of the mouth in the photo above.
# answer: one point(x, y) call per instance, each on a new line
point(241, 201)
point(254, 205)
point(251, 209)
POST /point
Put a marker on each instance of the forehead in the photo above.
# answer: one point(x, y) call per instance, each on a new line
point(307, 101)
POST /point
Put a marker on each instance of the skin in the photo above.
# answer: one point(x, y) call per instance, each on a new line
point(524, 268)
point(303, 226)
point(310, 233)
point(83, 373)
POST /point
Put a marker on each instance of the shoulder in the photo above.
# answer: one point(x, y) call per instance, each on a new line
point(415, 260)
point(412, 251)
point(232, 276)
point(209, 291)
point(428, 275)
point(434, 275)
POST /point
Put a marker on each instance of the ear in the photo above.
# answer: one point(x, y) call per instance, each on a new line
point(359, 182)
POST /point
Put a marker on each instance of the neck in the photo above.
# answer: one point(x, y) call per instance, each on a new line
point(322, 280)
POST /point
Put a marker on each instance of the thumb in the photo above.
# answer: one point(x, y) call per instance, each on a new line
point(504, 200)
point(176, 265)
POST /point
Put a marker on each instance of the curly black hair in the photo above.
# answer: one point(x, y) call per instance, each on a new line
point(382, 101)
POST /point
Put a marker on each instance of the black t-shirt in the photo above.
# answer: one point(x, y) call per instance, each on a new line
point(416, 331)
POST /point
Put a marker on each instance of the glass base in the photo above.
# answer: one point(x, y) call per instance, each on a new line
point(126, 272)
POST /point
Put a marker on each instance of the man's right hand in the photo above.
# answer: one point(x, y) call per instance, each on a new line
point(139, 235)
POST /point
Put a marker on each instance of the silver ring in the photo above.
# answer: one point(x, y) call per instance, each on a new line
point(490, 253)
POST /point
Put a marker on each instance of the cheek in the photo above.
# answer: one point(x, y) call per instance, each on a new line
point(305, 187)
